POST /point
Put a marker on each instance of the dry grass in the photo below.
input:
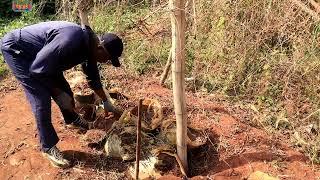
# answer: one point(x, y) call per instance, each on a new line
point(265, 52)
point(262, 56)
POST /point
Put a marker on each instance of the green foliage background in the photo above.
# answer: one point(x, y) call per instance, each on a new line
point(10, 20)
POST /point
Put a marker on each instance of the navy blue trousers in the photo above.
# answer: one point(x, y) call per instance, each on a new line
point(38, 94)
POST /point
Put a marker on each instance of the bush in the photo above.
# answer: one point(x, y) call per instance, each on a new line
point(3, 68)
point(45, 8)
point(10, 23)
point(6, 9)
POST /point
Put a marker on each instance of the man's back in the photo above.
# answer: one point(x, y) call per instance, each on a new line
point(32, 38)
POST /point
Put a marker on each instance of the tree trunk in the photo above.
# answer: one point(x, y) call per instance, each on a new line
point(178, 21)
point(84, 18)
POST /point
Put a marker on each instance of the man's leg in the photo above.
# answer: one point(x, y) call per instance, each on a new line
point(37, 95)
point(40, 100)
point(70, 117)
point(41, 108)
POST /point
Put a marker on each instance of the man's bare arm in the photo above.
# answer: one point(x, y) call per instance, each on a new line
point(101, 93)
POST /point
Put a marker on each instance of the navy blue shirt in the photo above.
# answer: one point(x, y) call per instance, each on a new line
point(56, 46)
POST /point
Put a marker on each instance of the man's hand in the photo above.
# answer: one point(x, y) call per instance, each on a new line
point(65, 101)
point(109, 109)
point(107, 102)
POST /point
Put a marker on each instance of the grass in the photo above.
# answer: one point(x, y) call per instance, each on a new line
point(143, 51)
point(3, 68)
point(7, 25)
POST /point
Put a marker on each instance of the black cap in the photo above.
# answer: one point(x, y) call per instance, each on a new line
point(113, 44)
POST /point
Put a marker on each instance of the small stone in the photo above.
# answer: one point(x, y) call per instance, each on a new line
point(16, 160)
point(258, 175)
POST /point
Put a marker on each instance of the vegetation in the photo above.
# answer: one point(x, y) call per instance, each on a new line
point(259, 55)
point(10, 21)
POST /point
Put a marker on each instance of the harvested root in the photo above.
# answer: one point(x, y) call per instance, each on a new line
point(152, 114)
point(84, 98)
point(88, 112)
point(195, 137)
point(156, 162)
point(147, 169)
point(158, 152)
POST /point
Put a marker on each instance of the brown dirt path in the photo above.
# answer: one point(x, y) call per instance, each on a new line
point(19, 148)
point(236, 149)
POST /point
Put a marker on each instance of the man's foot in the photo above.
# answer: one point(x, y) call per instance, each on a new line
point(56, 158)
point(79, 123)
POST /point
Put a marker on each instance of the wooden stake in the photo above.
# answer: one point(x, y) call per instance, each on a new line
point(178, 22)
point(138, 148)
point(165, 73)
point(83, 13)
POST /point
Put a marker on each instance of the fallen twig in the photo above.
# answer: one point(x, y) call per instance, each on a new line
point(306, 9)
point(10, 151)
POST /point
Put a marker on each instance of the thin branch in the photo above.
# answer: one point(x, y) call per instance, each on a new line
point(306, 9)
point(315, 5)
point(166, 69)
